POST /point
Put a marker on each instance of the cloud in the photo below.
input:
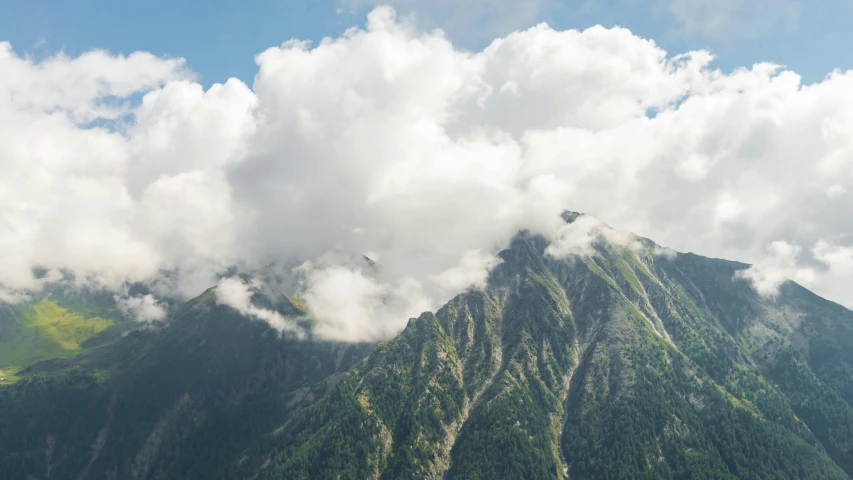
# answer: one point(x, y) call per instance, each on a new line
point(349, 305)
point(237, 293)
point(94, 85)
point(576, 238)
point(835, 191)
point(579, 236)
point(472, 20)
point(666, 253)
point(472, 272)
point(717, 18)
point(838, 258)
point(143, 308)
point(777, 267)
point(396, 142)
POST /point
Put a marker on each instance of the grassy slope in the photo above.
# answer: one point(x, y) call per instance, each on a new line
point(47, 331)
point(182, 401)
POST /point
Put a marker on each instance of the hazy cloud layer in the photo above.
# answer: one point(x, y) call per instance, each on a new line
point(716, 18)
point(471, 20)
point(476, 21)
point(237, 293)
point(392, 142)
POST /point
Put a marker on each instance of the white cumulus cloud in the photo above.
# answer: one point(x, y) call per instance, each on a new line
point(391, 141)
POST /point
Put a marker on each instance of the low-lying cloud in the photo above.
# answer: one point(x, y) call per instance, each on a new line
point(142, 308)
point(580, 236)
point(237, 293)
point(394, 143)
point(782, 262)
point(777, 267)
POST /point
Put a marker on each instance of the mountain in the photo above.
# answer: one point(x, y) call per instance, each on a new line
point(619, 363)
point(176, 402)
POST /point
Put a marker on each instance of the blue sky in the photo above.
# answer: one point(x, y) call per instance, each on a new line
point(220, 38)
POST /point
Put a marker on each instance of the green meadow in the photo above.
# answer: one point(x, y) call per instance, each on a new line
point(45, 331)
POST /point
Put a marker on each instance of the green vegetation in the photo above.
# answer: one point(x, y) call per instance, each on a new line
point(618, 365)
point(46, 331)
point(297, 302)
point(9, 375)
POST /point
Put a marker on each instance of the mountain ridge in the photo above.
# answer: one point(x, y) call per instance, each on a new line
point(618, 363)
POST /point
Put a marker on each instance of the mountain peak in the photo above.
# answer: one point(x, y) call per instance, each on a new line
point(569, 216)
point(617, 363)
